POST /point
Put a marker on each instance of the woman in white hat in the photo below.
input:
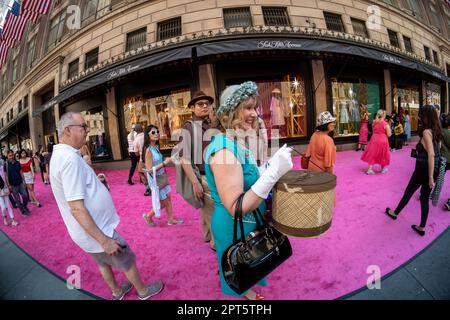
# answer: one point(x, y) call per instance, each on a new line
point(231, 171)
point(321, 149)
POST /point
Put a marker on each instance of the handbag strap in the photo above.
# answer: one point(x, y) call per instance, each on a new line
point(238, 218)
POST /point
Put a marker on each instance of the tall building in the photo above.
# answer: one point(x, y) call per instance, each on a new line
point(124, 62)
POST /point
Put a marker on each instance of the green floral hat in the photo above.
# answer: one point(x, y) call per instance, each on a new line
point(233, 95)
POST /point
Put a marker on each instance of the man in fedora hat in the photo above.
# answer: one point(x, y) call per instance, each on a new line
point(192, 156)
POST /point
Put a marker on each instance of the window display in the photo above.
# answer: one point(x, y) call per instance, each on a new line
point(433, 94)
point(167, 112)
point(407, 99)
point(96, 139)
point(282, 106)
point(348, 98)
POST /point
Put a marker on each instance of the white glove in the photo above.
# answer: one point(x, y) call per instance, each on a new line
point(278, 166)
point(264, 166)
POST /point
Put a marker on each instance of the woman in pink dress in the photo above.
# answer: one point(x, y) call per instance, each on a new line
point(364, 128)
point(377, 151)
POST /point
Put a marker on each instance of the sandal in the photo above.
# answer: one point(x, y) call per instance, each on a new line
point(14, 223)
point(5, 221)
point(393, 217)
point(258, 297)
point(416, 229)
point(149, 222)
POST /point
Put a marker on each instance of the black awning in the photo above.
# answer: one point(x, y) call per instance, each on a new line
point(115, 72)
point(252, 44)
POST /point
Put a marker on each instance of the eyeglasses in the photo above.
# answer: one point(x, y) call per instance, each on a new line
point(84, 125)
point(203, 104)
point(154, 132)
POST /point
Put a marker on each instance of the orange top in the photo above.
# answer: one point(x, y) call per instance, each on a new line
point(322, 150)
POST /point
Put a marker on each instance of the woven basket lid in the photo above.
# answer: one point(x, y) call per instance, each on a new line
point(306, 181)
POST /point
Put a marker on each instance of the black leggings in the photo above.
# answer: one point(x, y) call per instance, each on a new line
point(419, 179)
point(134, 161)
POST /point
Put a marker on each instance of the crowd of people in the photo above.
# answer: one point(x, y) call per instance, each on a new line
point(216, 172)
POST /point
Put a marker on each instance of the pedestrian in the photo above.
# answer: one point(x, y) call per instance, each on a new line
point(364, 128)
point(377, 151)
point(39, 157)
point(445, 146)
point(134, 159)
point(231, 170)
point(138, 147)
point(192, 157)
point(427, 156)
point(321, 150)
point(15, 181)
point(26, 164)
point(407, 125)
point(4, 199)
point(154, 158)
point(88, 210)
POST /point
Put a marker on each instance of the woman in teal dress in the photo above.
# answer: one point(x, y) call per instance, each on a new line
point(231, 170)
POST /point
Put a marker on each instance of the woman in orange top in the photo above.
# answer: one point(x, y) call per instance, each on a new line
point(321, 148)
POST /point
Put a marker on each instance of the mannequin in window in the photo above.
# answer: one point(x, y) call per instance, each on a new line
point(277, 110)
point(343, 117)
point(354, 115)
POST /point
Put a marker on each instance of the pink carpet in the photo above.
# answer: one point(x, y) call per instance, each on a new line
point(327, 267)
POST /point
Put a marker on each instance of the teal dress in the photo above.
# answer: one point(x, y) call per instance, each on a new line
point(222, 223)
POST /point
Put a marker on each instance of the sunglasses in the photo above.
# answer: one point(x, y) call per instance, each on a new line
point(84, 125)
point(154, 132)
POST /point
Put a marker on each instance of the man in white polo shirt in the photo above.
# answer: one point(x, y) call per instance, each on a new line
point(88, 211)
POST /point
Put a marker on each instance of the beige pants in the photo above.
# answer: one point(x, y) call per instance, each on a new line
point(207, 212)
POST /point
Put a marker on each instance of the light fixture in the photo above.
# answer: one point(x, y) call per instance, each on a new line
point(295, 83)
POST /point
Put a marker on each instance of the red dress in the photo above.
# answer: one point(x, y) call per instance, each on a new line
point(377, 151)
point(363, 132)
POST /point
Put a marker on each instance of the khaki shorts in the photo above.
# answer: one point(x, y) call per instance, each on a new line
point(123, 261)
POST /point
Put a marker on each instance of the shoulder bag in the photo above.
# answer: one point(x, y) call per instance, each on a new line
point(249, 259)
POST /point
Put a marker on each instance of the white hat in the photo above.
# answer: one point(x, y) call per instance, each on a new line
point(325, 118)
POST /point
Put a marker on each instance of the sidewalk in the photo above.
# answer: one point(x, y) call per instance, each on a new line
point(425, 277)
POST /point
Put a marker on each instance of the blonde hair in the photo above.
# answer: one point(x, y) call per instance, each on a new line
point(380, 114)
point(234, 120)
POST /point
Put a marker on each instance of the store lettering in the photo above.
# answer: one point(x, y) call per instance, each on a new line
point(391, 59)
point(122, 71)
point(278, 45)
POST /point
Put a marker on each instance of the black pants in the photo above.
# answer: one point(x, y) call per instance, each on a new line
point(134, 161)
point(419, 179)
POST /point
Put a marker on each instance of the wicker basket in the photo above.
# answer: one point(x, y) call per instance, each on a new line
point(303, 203)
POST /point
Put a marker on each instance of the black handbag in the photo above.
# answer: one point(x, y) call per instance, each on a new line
point(249, 259)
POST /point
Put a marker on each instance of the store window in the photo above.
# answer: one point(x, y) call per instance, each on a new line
point(433, 92)
point(282, 106)
point(407, 98)
point(167, 111)
point(348, 96)
point(96, 139)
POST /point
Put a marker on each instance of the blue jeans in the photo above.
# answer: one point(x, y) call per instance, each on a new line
point(23, 192)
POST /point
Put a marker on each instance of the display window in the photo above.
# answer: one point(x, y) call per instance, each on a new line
point(282, 106)
point(407, 98)
point(168, 112)
point(349, 96)
point(96, 139)
point(433, 94)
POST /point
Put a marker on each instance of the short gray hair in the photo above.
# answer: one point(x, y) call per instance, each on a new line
point(65, 121)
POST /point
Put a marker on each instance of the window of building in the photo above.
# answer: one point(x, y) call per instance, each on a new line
point(169, 29)
point(19, 106)
point(4, 85)
point(348, 98)
point(414, 6)
point(11, 117)
point(3, 124)
point(436, 57)
point(334, 22)
point(359, 28)
point(435, 20)
point(433, 92)
point(408, 44)
point(73, 69)
point(25, 102)
point(136, 39)
point(427, 53)
point(393, 39)
point(91, 59)
point(276, 16)
point(56, 29)
point(237, 17)
point(30, 53)
point(7, 117)
point(14, 71)
point(96, 8)
point(103, 7)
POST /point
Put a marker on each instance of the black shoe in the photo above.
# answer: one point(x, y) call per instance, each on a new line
point(130, 183)
point(393, 217)
point(447, 205)
point(24, 212)
point(420, 232)
point(147, 193)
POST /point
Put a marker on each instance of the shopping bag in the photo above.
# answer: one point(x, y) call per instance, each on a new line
point(156, 205)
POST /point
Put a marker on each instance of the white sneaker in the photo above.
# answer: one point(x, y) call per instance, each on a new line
point(385, 170)
point(370, 171)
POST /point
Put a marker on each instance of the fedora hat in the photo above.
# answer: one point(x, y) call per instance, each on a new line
point(325, 118)
point(200, 95)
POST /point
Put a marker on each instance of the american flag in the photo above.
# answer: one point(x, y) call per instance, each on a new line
point(30, 15)
point(39, 6)
point(3, 52)
point(14, 28)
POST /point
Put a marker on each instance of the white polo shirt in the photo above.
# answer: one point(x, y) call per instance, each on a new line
point(73, 179)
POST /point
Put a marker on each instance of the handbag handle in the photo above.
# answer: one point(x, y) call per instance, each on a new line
point(238, 218)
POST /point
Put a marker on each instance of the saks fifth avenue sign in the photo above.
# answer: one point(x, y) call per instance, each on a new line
point(278, 45)
point(122, 71)
point(392, 59)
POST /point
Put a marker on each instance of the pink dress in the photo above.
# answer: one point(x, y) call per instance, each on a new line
point(377, 151)
point(363, 132)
